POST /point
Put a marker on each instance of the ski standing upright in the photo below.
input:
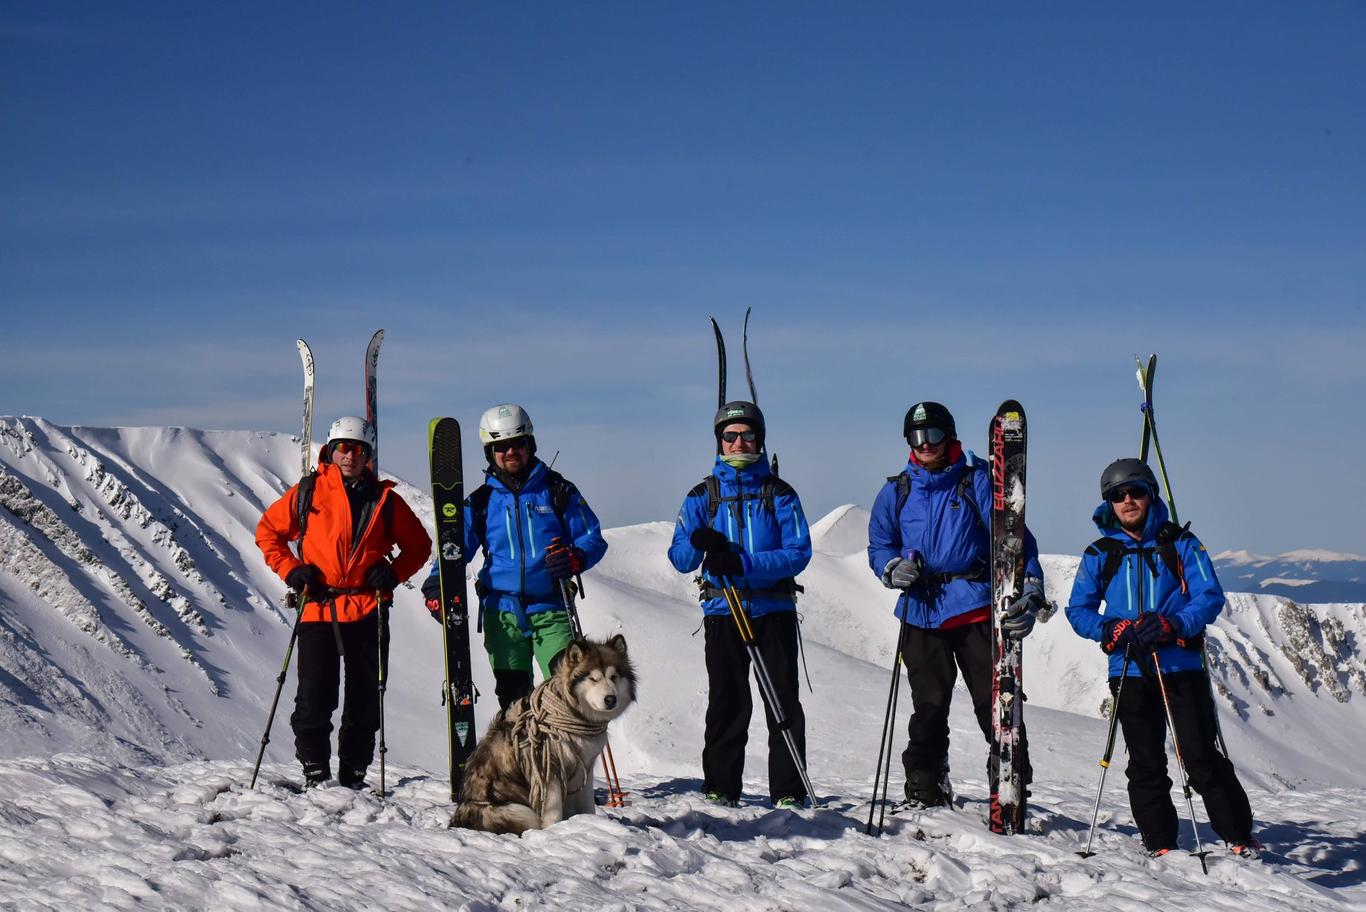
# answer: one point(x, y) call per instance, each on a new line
point(1008, 450)
point(372, 416)
point(448, 498)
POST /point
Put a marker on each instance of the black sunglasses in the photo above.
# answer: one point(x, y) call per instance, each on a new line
point(746, 436)
point(922, 436)
point(1137, 493)
point(502, 446)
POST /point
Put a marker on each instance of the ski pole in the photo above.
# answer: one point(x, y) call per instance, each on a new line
point(383, 683)
point(615, 796)
point(766, 688)
point(885, 743)
point(1109, 752)
point(1180, 763)
point(279, 685)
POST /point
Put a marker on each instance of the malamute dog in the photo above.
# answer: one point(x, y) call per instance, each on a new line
point(535, 764)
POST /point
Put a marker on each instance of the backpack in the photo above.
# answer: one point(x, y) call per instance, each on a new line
point(303, 507)
point(1114, 551)
point(903, 492)
point(561, 490)
point(770, 488)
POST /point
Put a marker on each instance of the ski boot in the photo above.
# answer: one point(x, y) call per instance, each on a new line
point(351, 775)
point(316, 772)
point(928, 789)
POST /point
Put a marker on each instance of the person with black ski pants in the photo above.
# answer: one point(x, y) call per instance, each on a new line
point(929, 539)
point(1160, 592)
point(745, 526)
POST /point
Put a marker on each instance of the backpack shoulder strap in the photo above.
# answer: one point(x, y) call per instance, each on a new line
point(303, 501)
point(479, 510)
point(561, 490)
point(1167, 537)
point(903, 490)
point(773, 488)
point(712, 485)
point(965, 492)
point(1113, 551)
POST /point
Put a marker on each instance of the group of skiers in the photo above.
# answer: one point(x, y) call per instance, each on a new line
point(928, 540)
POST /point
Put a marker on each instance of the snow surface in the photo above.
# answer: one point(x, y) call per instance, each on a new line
point(140, 635)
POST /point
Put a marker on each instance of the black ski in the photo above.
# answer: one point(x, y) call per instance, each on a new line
point(1008, 441)
point(448, 504)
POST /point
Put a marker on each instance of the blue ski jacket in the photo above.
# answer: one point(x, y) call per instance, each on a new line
point(774, 545)
point(1143, 583)
point(514, 535)
point(950, 531)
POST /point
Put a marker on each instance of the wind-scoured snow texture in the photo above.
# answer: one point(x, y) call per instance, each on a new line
point(136, 763)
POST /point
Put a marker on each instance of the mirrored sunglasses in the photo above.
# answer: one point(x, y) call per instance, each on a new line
point(350, 446)
point(922, 436)
point(502, 446)
point(746, 436)
point(1138, 493)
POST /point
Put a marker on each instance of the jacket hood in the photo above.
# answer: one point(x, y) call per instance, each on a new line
point(947, 478)
point(1106, 521)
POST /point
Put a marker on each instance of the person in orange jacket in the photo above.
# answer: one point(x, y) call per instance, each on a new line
point(342, 576)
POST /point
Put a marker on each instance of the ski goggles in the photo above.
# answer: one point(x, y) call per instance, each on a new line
point(1136, 492)
point(502, 446)
point(746, 436)
point(346, 447)
point(931, 435)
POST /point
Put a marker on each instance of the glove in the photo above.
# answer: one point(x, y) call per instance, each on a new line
point(1019, 617)
point(563, 561)
point(724, 564)
point(381, 576)
point(431, 592)
point(306, 576)
point(1153, 630)
point(709, 539)
point(901, 572)
point(1117, 635)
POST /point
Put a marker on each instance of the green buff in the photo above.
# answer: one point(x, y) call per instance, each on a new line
point(740, 460)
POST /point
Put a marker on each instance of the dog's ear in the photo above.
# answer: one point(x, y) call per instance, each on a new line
point(574, 654)
point(618, 643)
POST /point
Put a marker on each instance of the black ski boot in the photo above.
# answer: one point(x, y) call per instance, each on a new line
point(316, 772)
point(351, 775)
point(928, 789)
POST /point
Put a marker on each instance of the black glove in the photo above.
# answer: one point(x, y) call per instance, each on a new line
point(563, 561)
point(709, 539)
point(723, 564)
point(1153, 630)
point(381, 576)
point(306, 576)
point(431, 591)
point(1117, 635)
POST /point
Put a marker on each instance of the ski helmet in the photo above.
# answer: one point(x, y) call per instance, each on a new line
point(739, 412)
point(505, 422)
point(927, 414)
point(349, 427)
point(1126, 471)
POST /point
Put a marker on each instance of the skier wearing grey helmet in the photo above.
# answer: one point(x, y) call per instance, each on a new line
point(929, 540)
point(537, 533)
point(1160, 592)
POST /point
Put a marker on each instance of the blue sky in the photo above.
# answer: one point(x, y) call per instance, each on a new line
point(543, 202)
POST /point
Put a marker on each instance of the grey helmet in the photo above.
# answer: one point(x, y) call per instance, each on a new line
point(739, 412)
point(1126, 471)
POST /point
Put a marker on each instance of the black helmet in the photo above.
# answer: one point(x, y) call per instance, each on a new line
point(1126, 471)
point(928, 415)
point(739, 412)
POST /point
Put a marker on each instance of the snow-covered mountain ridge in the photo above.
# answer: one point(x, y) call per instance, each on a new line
point(141, 633)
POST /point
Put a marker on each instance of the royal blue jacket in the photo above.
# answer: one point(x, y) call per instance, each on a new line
point(514, 535)
point(1139, 587)
point(773, 544)
point(951, 536)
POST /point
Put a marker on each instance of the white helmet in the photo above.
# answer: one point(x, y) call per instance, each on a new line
point(504, 422)
point(348, 428)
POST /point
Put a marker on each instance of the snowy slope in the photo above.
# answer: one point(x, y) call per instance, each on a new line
point(1307, 575)
point(140, 635)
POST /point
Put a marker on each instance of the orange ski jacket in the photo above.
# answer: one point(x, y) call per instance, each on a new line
point(327, 544)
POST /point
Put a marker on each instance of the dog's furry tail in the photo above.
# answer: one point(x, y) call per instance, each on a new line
point(495, 818)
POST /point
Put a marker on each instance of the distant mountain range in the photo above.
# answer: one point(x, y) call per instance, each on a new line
point(1306, 576)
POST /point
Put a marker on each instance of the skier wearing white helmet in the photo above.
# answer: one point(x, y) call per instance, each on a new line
point(537, 533)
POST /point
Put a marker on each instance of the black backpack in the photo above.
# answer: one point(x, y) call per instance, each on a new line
point(903, 492)
point(1114, 551)
point(770, 488)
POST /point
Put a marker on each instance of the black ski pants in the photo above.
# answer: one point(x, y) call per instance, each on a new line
point(730, 704)
point(1144, 722)
point(319, 679)
point(933, 658)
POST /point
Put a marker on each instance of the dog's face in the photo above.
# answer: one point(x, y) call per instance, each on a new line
point(600, 677)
